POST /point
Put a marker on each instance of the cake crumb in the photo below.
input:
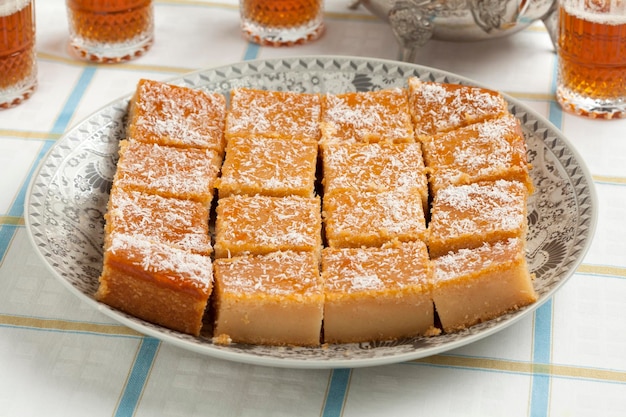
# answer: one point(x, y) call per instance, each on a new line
point(433, 331)
point(222, 339)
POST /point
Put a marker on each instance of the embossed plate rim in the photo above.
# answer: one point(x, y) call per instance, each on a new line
point(334, 356)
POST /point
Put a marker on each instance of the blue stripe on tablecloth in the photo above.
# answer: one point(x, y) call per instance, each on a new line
point(542, 338)
point(138, 377)
point(336, 395)
point(252, 51)
point(72, 102)
point(555, 113)
point(6, 234)
point(542, 349)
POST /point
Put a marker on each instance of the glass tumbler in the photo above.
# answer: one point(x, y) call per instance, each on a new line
point(110, 31)
point(18, 63)
point(592, 58)
point(281, 22)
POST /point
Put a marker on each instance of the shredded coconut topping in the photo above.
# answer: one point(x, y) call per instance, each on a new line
point(351, 270)
point(168, 262)
point(380, 115)
point(478, 207)
point(273, 113)
point(442, 107)
point(180, 116)
point(465, 261)
point(277, 273)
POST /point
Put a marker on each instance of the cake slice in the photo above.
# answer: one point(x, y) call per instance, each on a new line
point(262, 224)
point(178, 116)
point(365, 218)
point(379, 166)
point(168, 171)
point(273, 299)
point(268, 166)
point(372, 116)
point(156, 282)
point(283, 114)
point(486, 151)
point(467, 216)
point(475, 285)
point(377, 293)
point(172, 221)
point(441, 107)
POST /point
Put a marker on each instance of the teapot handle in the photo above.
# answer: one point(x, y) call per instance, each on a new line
point(551, 22)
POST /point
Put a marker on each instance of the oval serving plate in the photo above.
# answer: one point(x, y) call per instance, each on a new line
point(67, 200)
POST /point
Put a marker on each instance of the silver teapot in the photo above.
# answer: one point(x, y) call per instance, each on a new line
point(414, 22)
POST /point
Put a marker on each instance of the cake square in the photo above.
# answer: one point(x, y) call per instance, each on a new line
point(268, 166)
point(486, 151)
point(365, 218)
point(379, 166)
point(273, 299)
point(261, 224)
point(479, 284)
point(172, 221)
point(178, 116)
point(467, 216)
point(441, 107)
point(377, 293)
point(285, 114)
point(156, 282)
point(168, 171)
point(371, 116)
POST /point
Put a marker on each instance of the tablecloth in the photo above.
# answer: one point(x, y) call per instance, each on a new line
point(61, 357)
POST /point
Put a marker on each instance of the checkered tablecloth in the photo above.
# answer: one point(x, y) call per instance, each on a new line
point(61, 357)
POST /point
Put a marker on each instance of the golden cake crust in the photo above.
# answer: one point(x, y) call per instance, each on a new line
point(486, 151)
point(441, 107)
point(273, 114)
point(177, 116)
point(466, 216)
point(268, 166)
point(367, 117)
point(262, 224)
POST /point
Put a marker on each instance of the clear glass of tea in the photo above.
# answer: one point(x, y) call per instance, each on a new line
point(18, 62)
point(592, 58)
point(110, 31)
point(281, 22)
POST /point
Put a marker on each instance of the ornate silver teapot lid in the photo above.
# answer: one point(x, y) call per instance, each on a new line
point(415, 22)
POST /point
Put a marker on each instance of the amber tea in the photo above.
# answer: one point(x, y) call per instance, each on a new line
point(281, 22)
point(18, 65)
point(110, 30)
point(592, 58)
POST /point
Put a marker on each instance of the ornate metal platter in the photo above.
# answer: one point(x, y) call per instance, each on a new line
point(68, 196)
